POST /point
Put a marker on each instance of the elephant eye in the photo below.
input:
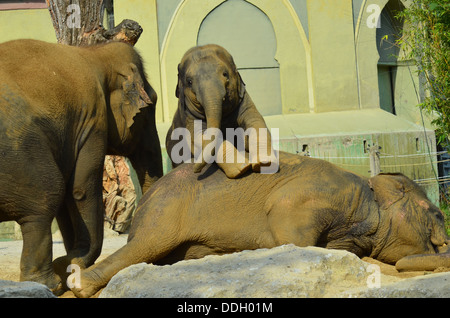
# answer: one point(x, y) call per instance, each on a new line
point(225, 74)
point(189, 82)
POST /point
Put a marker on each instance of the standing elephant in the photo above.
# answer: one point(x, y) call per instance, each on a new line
point(309, 202)
point(210, 91)
point(62, 109)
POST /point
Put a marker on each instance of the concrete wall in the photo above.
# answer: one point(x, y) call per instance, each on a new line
point(26, 23)
point(297, 56)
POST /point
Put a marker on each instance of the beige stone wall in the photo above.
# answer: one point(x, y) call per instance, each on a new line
point(327, 56)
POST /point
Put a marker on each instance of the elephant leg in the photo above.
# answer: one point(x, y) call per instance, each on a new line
point(147, 248)
point(36, 259)
point(233, 163)
point(293, 222)
point(285, 230)
point(148, 167)
point(97, 276)
point(66, 228)
point(85, 209)
point(262, 156)
point(37, 213)
point(156, 233)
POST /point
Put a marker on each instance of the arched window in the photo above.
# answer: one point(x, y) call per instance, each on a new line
point(388, 33)
point(247, 33)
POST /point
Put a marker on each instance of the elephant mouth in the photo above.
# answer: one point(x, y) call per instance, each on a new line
point(196, 113)
point(439, 249)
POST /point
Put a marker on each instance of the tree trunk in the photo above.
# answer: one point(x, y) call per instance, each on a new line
point(79, 23)
point(75, 20)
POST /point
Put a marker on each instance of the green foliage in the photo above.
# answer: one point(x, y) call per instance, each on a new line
point(427, 41)
point(446, 209)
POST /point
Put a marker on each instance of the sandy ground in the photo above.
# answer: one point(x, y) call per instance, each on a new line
point(10, 252)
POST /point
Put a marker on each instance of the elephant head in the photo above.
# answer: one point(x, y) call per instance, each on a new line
point(409, 223)
point(209, 88)
point(127, 98)
point(131, 112)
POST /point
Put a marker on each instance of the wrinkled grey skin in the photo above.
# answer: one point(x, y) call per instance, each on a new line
point(210, 89)
point(309, 202)
point(62, 109)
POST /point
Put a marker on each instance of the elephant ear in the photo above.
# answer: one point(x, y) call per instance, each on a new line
point(226, 57)
point(179, 88)
point(241, 87)
point(388, 188)
point(133, 94)
point(179, 91)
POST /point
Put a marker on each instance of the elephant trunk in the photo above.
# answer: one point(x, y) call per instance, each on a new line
point(426, 262)
point(211, 99)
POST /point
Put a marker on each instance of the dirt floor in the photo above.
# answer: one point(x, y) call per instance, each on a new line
point(10, 252)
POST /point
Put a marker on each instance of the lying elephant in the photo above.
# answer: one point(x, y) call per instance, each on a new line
point(210, 91)
point(309, 202)
point(62, 109)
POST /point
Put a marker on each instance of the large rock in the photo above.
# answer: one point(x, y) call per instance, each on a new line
point(10, 289)
point(428, 286)
point(285, 271)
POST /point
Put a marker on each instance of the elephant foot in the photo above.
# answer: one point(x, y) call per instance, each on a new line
point(60, 267)
point(232, 162)
point(234, 170)
point(198, 167)
point(65, 266)
point(266, 162)
point(59, 289)
point(51, 280)
point(88, 285)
